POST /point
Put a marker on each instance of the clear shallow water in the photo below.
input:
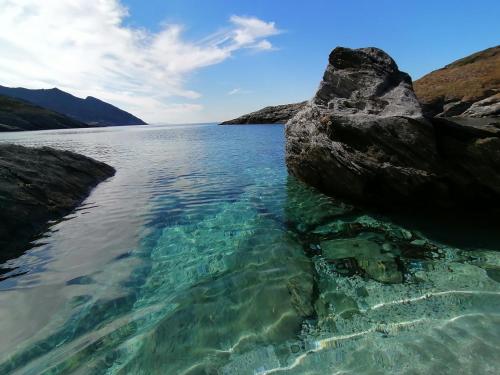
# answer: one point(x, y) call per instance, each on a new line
point(201, 256)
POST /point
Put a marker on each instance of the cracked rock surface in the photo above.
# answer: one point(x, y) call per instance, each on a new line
point(364, 137)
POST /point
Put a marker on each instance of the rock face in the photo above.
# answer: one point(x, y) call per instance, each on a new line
point(90, 110)
point(270, 115)
point(38, 185)
point(16, 115)
point(467, 87)
point(363, 137)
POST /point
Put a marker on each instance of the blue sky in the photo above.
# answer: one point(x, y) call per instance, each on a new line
point(220, 66)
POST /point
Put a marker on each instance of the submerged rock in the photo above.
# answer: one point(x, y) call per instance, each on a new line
point(306, 210)
point(38, 185)
point(368, 255)
point(364, 137)
point(278, 114)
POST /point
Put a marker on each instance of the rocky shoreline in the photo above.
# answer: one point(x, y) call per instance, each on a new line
point(39, 185)
point(278, 114)
point(364, 138)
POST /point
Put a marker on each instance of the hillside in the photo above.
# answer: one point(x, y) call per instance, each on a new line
point(468, 87)
point(90, 110)
point(18, 115)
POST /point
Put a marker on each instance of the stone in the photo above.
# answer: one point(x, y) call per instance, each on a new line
point(376, 265)
point(454, 108)
point(489, 107)
point(363, 135)
point(38, 185)
point(364, 138)
point(301, 295)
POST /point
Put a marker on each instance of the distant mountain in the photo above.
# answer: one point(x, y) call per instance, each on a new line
point(16, 114)
point(466, 87)
point(278, 114)
point(90, 110)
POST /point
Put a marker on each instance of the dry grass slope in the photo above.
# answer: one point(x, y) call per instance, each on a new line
point(470, 79)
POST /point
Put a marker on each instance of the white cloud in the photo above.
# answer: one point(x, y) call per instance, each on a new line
point(84, 47)
point(264, 45)
point(250, 29)
point(238, 90)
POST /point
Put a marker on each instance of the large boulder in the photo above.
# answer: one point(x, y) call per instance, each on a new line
point(364, 137)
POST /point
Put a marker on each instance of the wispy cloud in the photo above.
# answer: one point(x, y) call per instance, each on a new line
point(84, 47)
point(238, 91)
point(249, 31)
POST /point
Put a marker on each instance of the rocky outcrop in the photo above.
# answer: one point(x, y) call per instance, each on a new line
point(363, 137)
point(17, 115)
point(489, 107)
point(278, 114)
point(467, 87)
point(38, 185)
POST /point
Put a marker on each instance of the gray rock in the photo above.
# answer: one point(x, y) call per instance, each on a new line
point(278, 114)
point(454, 109)
point(470, 150)
point(489, 107)
point(38, 185)
point(363, 134)
point(363, 137)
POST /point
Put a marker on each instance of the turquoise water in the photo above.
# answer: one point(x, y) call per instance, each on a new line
point(201, 256)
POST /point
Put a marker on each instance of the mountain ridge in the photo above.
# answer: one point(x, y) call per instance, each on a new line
point(90, 110)
point(18, 115)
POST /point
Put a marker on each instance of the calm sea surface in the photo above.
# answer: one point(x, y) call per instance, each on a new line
point(201, 256)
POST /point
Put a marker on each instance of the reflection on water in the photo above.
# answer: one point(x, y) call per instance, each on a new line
point(202, 257)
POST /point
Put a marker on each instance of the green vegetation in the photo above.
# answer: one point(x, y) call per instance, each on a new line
point(16, 115)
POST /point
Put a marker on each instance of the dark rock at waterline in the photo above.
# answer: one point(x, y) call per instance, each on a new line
point(363, 131)
point(38, 185)
point(363, 137)
point(278, 114)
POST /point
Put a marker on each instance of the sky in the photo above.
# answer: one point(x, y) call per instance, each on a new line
point(186, 61)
